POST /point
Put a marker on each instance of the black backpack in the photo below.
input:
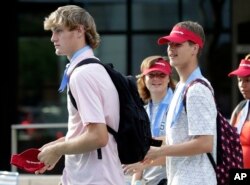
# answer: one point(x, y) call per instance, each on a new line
point(229, 150)
point(134, 135)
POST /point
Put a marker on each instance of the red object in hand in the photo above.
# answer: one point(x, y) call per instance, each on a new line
point(27, 160)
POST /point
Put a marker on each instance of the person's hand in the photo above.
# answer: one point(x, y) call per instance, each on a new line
point(133, 168)
point(49, 157)
point(44, 169)
point(153, 153)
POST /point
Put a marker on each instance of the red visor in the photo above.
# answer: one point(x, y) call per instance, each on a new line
point(161, 65)
point(180, 35)
point(243, 69)
point(27, 160)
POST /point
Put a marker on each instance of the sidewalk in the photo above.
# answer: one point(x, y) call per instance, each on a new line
point(39, 179)
point(44, 179)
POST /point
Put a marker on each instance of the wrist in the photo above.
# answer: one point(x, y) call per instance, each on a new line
point(138, 182)
point(162, 152)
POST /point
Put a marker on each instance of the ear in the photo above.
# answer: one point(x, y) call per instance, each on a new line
point(80, 30)
point(195, 49)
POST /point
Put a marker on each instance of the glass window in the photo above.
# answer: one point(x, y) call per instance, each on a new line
point(39, 74)
point(113, 50)
point(144, 46)
point(200, 12)
point(148, 15)
point(226, 15)
point(36, 21)
point(108, 16)
point(203, 12)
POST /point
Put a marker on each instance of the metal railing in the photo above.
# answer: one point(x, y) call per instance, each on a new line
point(16, 127)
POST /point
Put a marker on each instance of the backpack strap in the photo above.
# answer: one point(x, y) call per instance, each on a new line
point(236, 111)
point(240, 106)
point(211, 159)
point(198, 80)
point(83, 62)
point(73, 101)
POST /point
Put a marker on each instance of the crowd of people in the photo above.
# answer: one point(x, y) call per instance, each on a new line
point(188, 133)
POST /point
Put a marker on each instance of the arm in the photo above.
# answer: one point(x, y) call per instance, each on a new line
point(96, 136)
point(53, 142)
point(200, 100)
point(198, 145)
point(140, 166)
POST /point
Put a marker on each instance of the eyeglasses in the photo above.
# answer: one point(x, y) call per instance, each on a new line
point(157, 75)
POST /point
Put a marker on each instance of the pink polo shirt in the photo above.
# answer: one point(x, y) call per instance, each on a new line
point(98, 102)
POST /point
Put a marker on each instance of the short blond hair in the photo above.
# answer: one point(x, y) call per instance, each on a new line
point(71, 16)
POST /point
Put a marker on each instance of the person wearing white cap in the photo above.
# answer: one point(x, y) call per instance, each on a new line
point(155, 86)
point(190, 130)
point(240, 117)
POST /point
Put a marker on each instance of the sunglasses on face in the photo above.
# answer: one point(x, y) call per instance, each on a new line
point(157, 75)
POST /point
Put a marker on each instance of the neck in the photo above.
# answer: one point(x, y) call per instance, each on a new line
point(185, 71)
point(78, 50)
point(158, 97)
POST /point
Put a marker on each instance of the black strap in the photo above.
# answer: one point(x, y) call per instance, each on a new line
point(155, 142)
point(73, 101)
point(112, 131)
point(198, 80)
point(211, 159)
point(85, 61)
point(99, 153)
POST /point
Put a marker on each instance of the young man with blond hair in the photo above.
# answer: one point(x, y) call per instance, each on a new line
point(74, 35)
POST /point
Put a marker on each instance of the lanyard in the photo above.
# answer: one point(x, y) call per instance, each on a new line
point(179, 105)
point(162, 109)
point(65, 78)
